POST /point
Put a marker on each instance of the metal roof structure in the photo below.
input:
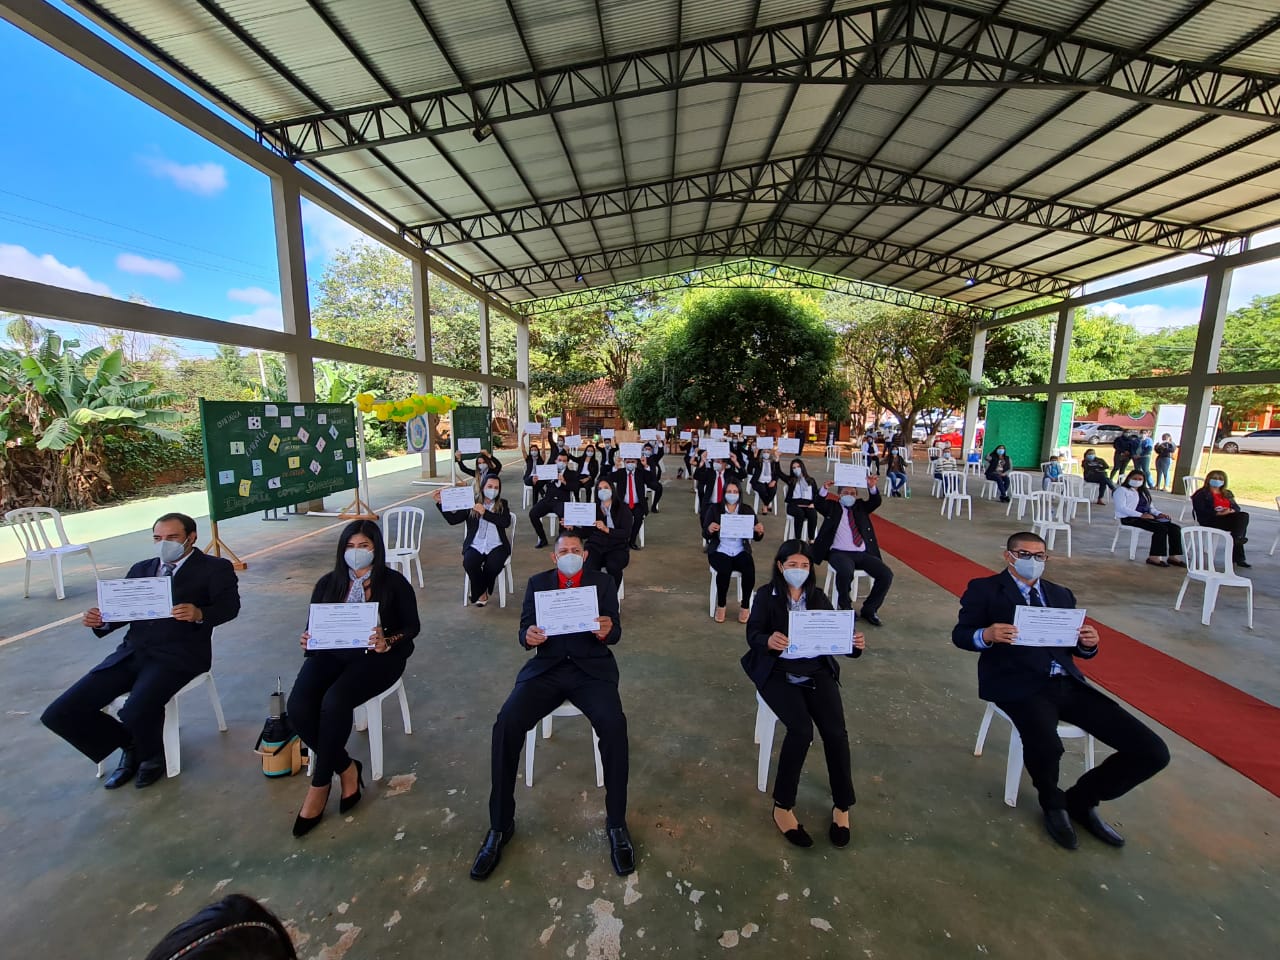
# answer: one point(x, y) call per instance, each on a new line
point(985, 152)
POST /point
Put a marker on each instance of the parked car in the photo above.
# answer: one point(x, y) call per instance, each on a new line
point(1259, 441)
point(1096, 433)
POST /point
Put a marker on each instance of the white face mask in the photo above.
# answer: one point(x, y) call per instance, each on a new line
point(358, 558)
point(560, 465)
point(719, 467)
point(604, 494)
point(1028, 569)
point(631, 468)
point(795, 576)
point(570, 564)
point(1135, 483)
point(730, 498)
point(764, 457)
point(796, 471)
point(848, 500)
point(170, 551)
point(491, 493)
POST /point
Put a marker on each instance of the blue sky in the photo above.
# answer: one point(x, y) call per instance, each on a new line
point(101, 193)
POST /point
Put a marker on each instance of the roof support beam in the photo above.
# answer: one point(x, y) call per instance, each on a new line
point(852, 46)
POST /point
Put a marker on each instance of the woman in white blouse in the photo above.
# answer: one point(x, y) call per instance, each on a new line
point(1133, 508)
point(730, 555)
point(486, 546)
point(802, 490)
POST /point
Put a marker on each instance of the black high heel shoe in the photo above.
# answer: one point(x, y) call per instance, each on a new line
point(839, 835)
point(797, 835)
point(347, 803)
point(304, 825)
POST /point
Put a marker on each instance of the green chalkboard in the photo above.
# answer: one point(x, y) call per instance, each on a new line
point(262, 455)
point(471, 422)
point(1018, 426)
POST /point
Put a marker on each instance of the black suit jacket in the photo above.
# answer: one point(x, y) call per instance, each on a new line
point(769, 613)
point(598, 541)
point(589, 653)
point(833, 516)
point(705, 479)
point(209, 583)
point(644, 480)
point(1006, 672)
point(1202, 506)
point(501, 520)
point(713, 513)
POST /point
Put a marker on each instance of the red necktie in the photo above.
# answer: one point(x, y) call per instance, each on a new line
point(631, 490)
point(853, 529)
point(719, 487)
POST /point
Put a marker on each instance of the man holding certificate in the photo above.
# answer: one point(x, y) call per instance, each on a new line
point(847, 541)
point(1029, 636)
point(570, 620)
point(170, 603)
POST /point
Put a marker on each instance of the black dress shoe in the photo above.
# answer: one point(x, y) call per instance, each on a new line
point(540, 544)
point(127, 769)
point(797, 835)
point(149, 771)
point(1098, 827)
point(347, 803)
point(490, 853)
point(304, 825)
point(621, 853)
point(839, 835)
point(1058, 824)
point(872, 619)
point(1242, 563)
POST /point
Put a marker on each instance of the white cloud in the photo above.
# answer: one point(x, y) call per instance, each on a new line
point(254, 295)
point(205, 179)
point(20, 262)
point(268, 318)
point(132, 263)
point(1150, 316)
point(324, 234)
point(1259, 280)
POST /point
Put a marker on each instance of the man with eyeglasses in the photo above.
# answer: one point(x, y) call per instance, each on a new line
point(1040, 686)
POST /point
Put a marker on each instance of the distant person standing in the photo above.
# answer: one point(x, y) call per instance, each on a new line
point(1123, 452)
point(1142, 457)
point(1164, 451)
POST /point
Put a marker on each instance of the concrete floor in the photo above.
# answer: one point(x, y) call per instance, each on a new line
point(939, 866)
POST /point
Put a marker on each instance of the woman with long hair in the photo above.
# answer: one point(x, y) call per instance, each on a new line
point(1215, 506)
point(332, 683)
point(802, 491)
point(1132, 503)
point(730, 555)
point(609, 541)
point(486, 544)
point(804, 691)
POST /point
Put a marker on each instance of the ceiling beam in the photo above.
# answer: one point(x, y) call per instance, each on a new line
point(851, 46)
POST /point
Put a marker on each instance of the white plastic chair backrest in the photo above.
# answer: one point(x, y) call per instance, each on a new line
point(1042, 506)
point(1190, 485)
point(1074, 484)
point(1200, 548)
point(859, 458)
point(1020, 483)
point(954, 482)
point(29, 524)
point(402, 527)
point(935, 453)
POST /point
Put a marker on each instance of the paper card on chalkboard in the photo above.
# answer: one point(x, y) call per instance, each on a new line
point(315, 467)
point(672, 421)
point(237, 448)
point(274, 444)
point(303, 435)
point(273, 483)
point(286, 423)
point(686, 434)
point(295, 463)
point(322, 419)
point(789, 445)
point(749, 431)
point(255, 423)
point(257, 467)
point(271, 410)
point(557, 422)
point(533, 429)
point(351, 443)
point(321, 443)
point(468, 444)
point(718, 449)
point(245, 487)
point(337, 455)
point(333, 432)
point(299, 411)
point(226, 476)
point(348, 466)
point(607, 433)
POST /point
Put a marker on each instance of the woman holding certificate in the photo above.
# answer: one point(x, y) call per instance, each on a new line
point(801, 493)
point(729, 527)
point(486, 546)
point(803, 691)
point(608, 541)
point(345, 666)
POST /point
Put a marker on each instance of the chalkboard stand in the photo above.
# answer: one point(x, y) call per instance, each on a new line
point(217, 547)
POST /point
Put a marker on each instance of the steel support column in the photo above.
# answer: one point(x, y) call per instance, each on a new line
point(286, 208)
point(422, 350)
point(1204, 362)
point(1057, 379)
point(975, 374)
point(486, 392)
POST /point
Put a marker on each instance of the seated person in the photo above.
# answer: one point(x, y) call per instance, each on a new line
point(156, 659)
point(549, 497)
point(998, 469)
point(730, 555)
point(1133, 508)
point(897, 473)
point(847, 541)
point(609, 541)
point(764, 480)
point(579, 668)
point(1052, 472)
point(1215, 506)
point(1095, 471)
point(1038, 687)
point(802, 492)
point(486, 544)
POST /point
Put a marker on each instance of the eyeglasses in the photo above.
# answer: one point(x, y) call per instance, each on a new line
point(1028, 555)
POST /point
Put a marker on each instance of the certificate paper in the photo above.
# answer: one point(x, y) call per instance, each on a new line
point(631, 451)
point(789, 445)
point(718, 449)
point(814, 633)
point(457, 498)
point(341, 626)
point(468, 444)
point(545, 471)
point(139, 598)
point(567, 611)
point(737, 525)
point(850, 475)
point(579, 514)
point(1047, 626)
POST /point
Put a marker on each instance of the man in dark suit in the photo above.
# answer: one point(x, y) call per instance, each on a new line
point(580, 668)
point(156, 659)
point(1037, 687)
point(631, 481)
point(554, 494)
point(847, 540)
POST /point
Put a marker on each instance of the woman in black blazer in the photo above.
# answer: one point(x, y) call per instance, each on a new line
point(764, 479)
point(332, 683)
point(588, 465)
point(486, 545)
point(533, 457)
point(608, 542)
point(730, 555)
point(998, 469)
point(487, 465)
point(803, 692)
point(802, 491)
point(1215, 506)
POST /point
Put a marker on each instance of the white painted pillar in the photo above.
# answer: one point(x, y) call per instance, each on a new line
point(486, 392)
point(971, 405)
point(1057, 377)
point(422, 350)
point(1213, 313)
point(291, 260)
point(522, 370)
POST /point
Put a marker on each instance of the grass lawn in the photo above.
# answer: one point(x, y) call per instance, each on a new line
point(1253, 477)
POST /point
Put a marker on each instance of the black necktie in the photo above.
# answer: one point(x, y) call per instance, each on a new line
point(1033, 597)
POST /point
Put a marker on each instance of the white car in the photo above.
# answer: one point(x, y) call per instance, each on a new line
point(1260, 441)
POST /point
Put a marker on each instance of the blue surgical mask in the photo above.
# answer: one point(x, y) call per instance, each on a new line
point(719, 467)
point(631, 468)
point(1000, 450)
point(795, 576)
point(1028, 569)
point(570, 564)
point(731, 498)
point(1089, 456)
point(796, 471)
point(491, 493)
point(848, 500)
point(560, 465)
point(1217, 483)
point(604, 494)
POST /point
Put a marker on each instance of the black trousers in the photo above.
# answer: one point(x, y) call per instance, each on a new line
point(531, 700)
point(638, 513)
point(1236, 524)
point(1166, 537)
point(1140, 754)
point(803, 512)
point(77, 715)
point(800, 708)
point(845, 562)
point(613, 561)
point(725, 566)
point(1001, 481)
point(767, 493)
point(1121, 464)
point(324, 698)
point(484, 569)
point(539, 510)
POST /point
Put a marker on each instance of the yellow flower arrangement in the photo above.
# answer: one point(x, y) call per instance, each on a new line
point(402, 411)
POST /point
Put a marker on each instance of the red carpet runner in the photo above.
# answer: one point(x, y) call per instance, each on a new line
point(1241, 731)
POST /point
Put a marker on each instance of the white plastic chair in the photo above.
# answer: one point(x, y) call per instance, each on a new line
point(368, 716)
point(1189, 486)
point(1013, 766)
point(829, 584)
point(1073, 490)
point(505, 579)
point(858, 458)
point(173, 722)
point(565, 709)
point(1046, 517)
point(1199, 548)
point(402, 531)
point(527, 498)
point(766, 724)
point(833, 456)
point(1019, 493)
point(1133, 538)
point(28, 524)
point(711, 602)
point(955, 493)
